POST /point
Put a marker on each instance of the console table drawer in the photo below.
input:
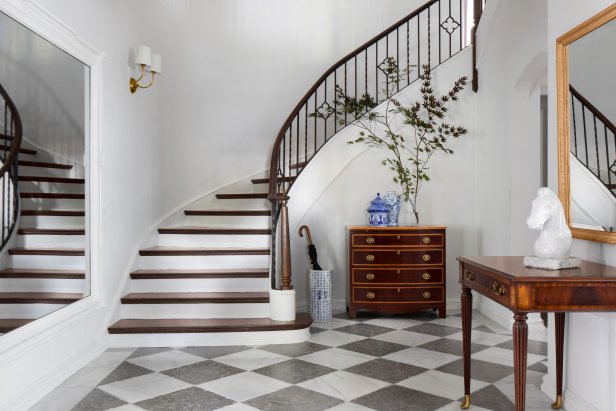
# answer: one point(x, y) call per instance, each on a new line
point(397, 276)
point(399, 257)
point(398, 295)
point(397, 240)
point(498, 289)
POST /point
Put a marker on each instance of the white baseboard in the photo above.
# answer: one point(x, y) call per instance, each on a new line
point(499, 314)
point(572, 401)
point(339, 304)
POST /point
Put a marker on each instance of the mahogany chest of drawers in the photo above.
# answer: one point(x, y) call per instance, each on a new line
point(396, 269)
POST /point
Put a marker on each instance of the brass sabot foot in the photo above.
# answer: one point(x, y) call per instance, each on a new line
point(466, 403)
point(558, 404)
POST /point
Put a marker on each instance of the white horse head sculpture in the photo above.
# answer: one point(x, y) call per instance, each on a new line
point(547, 215)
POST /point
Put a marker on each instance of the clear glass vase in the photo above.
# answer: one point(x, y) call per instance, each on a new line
point(408, 217)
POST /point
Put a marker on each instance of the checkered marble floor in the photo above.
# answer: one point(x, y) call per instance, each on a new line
point(383, 363)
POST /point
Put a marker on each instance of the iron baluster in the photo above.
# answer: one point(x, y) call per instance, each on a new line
point(607, 156)
point(574, 126)
point(585, 134)
point(597, 147)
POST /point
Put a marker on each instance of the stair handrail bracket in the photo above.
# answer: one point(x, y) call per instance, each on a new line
point(10, 138)
point(430, 35)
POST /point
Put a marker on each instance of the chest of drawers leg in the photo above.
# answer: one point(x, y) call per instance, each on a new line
point(396, 269)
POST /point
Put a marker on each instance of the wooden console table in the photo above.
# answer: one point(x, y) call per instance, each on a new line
point(592, 287)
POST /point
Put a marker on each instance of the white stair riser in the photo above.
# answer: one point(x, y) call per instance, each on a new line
point(49, 221)
point(230, 221)
point(52, 285)
point(244, 203)
point(47, 261)
point(160, 311)
point(27, 310)
point(199, 285)
point(44, 171)
point(213, 240)
point(44, 187)
point(30, 240)
point(52, 204)
point(209, 261)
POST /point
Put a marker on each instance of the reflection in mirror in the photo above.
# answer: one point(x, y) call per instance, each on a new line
point(43, 265)
point(586, 127)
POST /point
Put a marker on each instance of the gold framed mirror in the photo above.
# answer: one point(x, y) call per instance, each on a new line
point(586, 86)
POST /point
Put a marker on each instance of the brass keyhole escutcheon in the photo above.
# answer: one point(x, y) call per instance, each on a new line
point(370, 295)
point(426, 240)
point(398, 290)
point(398, 271)
point(498, 289)
point(426, 257)
point(369, 276)
point(426, 295)
point(369, 257)
point(397, 237)
point(426, 276)
point(370, 240)
point(398, 252)
point(469, 275)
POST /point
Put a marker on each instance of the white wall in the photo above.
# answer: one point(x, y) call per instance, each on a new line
point(590, 338)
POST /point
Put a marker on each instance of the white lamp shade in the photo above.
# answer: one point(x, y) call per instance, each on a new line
point(156, 64)
point(144, 56)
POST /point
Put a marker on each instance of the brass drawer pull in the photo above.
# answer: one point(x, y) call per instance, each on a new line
point(426, 295)
point(426, 276)
point(398, 271)
point(426, 257)
point(426, 240)
point(370, 240)
point(369, 257)
point(370, 295)
point(397, 237)
point(498, 289)
point(369, 276)
point(398, 252)
point(469, 275)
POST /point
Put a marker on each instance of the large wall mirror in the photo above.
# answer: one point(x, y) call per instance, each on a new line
point(45, 264)
point(586, 86)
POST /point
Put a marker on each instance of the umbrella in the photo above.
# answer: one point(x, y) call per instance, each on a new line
point(312, 250)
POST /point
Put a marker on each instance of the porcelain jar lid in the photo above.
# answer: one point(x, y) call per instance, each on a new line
point(378, 205)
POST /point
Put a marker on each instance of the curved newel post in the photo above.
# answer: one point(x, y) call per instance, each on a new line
point(285, 275)
point(282, 300)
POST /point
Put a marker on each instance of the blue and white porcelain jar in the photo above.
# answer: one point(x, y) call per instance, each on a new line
point(392, 200)
point(378, 212)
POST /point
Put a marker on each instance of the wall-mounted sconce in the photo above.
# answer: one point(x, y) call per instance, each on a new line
point(148, 62)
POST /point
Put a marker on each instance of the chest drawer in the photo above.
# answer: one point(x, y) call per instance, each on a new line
point(397, 276)
point(399, 257)
point(398, 295)
point(397, 240)
point(486, 284)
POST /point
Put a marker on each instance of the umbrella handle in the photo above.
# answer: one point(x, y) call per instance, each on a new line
point(301, 234)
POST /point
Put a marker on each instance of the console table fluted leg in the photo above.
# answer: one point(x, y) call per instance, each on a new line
point(520, 347)
point(559, 326)
point(467, 317)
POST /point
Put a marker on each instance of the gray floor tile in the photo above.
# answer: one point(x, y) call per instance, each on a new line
point(451, 346)
point(396, 398)
point(385, 370)
point(201, 372)
point(539, 367)
point(534, 347)
point(361, 316)
point(491, 398)
point(365, 330)
point(295, 350)
point(315, 330)
point(214, 352)
point(294, 371)
point(125, 371)
point(425, 315)
point(434, 329)
point(141, 352)
point(189, 399)
point(480, 370)
point(98, 400)
point(372, 347)
point(294, 399)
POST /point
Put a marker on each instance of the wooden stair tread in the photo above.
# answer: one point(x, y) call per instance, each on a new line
point(9, 324)
point(42, 273)
point(215, 230)
point(46, 179)
point(21, 150)
point(267, 180)
point(200, 273)
point(211, 325)
point(45, 165)
point(234, 196)
point(66, 213)
point(166, 251)
point(229, 212)
point(39, 298)
point(75, 196)
point(47, 251)
point(51, 231)
point(196, 298)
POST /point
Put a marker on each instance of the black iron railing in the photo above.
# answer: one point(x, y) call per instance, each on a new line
point(10, 142)
point(430, 35)
point(593, 139)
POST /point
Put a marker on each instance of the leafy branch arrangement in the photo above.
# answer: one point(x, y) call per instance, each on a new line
point(411, 142)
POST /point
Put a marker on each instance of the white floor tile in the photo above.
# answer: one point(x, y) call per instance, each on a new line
point(337, 358)
point(422, 358)
point(455, 406)
point(144, 387)
point(334, 338)
point(166, 360)
point(410, 338)
point(334, 323)
point(441, 384)
point(344, 385)
point(503, 356)
point(349, 406)
point(244, 386)
point(397, 323)
point(61, 399)
point(252, 359)
point(87, 377)
point(238, 407)
point(110, 359)
point(127, 407)
point(480, 337)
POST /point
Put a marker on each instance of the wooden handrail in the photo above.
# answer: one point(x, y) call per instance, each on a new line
point(11, 158)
